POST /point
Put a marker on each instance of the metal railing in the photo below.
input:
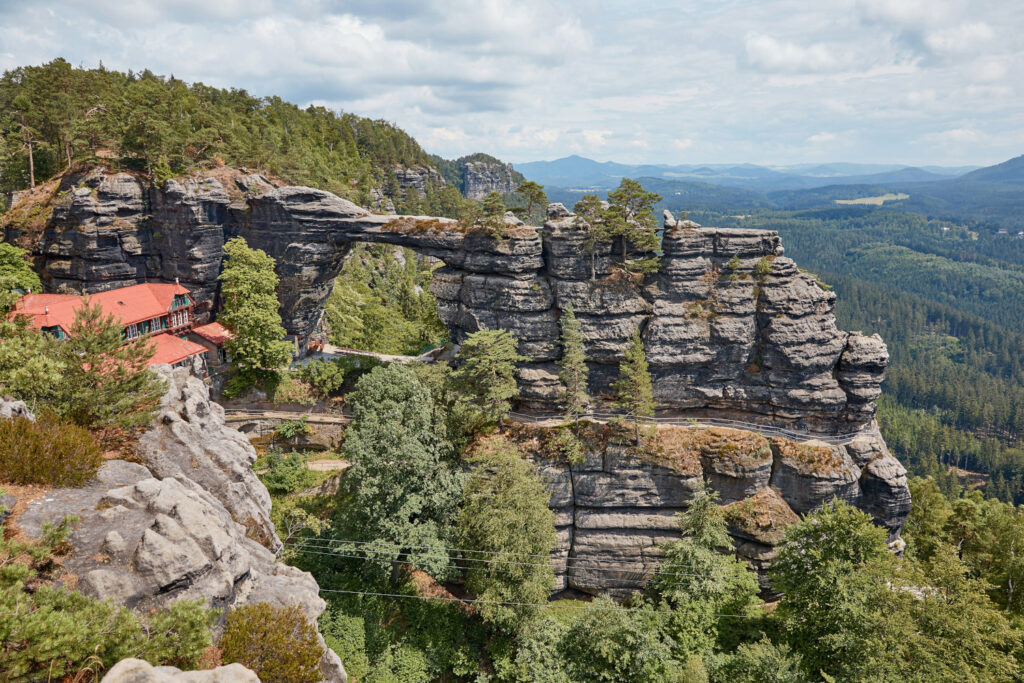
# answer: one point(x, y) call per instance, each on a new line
point(698, 422)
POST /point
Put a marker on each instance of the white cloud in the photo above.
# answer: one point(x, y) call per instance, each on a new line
point(957, 40)
point(768, 54)
point(596, 138)
point(761, 82)
point(955, 136)
point(820, 138)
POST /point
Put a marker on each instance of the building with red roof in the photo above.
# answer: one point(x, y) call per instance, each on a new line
point(212, 337)
point(162, 311)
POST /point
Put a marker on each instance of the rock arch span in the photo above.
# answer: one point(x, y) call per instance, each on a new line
point(731, 325)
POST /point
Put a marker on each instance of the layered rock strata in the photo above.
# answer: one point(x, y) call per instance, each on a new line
point(731, 326)
point(614, 509)
point(190, 522)
point(479, 178)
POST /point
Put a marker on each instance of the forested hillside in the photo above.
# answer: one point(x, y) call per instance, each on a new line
point(55, 117)
point(948, 301)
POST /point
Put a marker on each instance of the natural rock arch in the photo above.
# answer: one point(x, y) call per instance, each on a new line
point(730, 324)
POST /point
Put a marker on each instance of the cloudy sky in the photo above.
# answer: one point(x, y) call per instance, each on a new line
point(771, 81)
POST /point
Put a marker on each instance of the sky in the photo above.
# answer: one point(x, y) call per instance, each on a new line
point(770, 82)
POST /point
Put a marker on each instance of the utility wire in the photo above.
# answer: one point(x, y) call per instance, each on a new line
point(523, 604)
point(307, 550)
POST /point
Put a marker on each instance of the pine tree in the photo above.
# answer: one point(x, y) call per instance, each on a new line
point(631, 219)
point(573, 362)
point(106, 382)
point(494, 210)
point(633, 391)
point(591, 210)
point(534, 194)
point(488, 370)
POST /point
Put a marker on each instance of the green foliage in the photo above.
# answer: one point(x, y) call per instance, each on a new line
point(487, 370)
point(47, 451)
point(609, 644)
point(401, 491)
point(631, 219)
point(346, 635)
point(16, 275)
point(250, 311)
point(383, 304)
point(166, 127)
point(325, 376)
point(633, 390)
point(291, 429)
point(505, 524)
point(762, 662)
point(493, 208)
point(574, 371)
point(50, 632)
point(696, 581)
point(286, 472)
point(534, 195)
point(277, 643)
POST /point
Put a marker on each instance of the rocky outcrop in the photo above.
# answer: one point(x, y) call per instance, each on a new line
point(479, 178)
point(616, 507)
point(731, 326)
point(193, 522)
point(139, 671)
point(417, 178)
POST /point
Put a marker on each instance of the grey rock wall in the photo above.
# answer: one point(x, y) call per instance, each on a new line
point(480, 178)
point(731, 326)
point(615, 509)
point(192, 522)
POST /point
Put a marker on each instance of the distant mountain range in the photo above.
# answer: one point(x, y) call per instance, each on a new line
point(578, 172)
point(993, 194)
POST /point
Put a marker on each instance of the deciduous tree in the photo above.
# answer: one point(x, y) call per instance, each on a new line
point(249, 292)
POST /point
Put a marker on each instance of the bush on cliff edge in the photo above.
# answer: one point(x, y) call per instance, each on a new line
point(47, 451)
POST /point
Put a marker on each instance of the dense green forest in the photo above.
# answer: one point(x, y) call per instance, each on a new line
point(947, 298)
point(55, 116)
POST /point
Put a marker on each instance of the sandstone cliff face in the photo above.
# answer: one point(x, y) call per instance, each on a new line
point(614, 509)
point(191, 522)
point(480, 178)
point(418, 178)
point(730, 325)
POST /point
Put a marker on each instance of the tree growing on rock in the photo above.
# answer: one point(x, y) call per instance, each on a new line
point(534, 195)
point(487, 370)
point(493, 208)
point(591, 210)
point(505, 524)
point(249, 293)
point(574, 372)
point(631, 219)
point(634, 395)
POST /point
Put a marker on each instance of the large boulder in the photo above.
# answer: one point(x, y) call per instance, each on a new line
point(140, 671)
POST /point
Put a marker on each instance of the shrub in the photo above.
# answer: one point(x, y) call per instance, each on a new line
point(293, 428)
point(325, 377)
point(346, 635)
point(277, 643)
point(287, 473)
point(47, 451)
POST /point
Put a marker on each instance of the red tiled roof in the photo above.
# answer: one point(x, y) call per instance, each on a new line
point(171, 349)
point(127, 304)
point(214, 332)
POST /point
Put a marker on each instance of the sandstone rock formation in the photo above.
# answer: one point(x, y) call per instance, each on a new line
point(481, 177)
point(139, 671)
point(417, 178)
point(731, 325)
point(615, 508)
point(192, 523)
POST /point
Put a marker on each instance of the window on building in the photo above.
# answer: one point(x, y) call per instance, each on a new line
point(132, 331)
